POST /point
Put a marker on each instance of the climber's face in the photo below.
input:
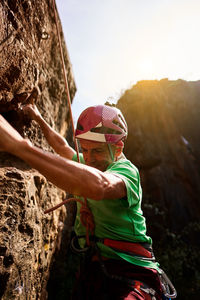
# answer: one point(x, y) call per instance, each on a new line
point(96, 154)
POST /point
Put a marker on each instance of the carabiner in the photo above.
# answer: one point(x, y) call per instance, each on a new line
point(76, 248)
point(169, 290)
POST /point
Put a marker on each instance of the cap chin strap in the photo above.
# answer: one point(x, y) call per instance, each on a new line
point(111, 152)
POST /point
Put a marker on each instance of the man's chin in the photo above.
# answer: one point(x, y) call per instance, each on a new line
point(96, 167)
point(100, 168)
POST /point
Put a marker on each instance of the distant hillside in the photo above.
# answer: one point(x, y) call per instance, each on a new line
point(164, 143)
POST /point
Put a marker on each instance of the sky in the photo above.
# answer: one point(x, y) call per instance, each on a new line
point(113, 44)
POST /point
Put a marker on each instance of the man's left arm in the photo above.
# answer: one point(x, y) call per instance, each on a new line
point(55, 140)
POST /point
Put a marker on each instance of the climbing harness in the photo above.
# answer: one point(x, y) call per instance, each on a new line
point(93, 254)
point(141, 250)
point(133, 283)
point(144, 252)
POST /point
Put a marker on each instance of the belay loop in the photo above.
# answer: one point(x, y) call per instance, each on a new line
point(86, 216)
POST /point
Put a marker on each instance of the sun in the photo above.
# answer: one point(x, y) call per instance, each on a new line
point(146, 68)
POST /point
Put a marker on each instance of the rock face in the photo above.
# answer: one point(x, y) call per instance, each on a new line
point(163, 142)
point(30, 72)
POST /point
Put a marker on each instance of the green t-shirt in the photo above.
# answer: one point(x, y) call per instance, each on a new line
point(119, 219)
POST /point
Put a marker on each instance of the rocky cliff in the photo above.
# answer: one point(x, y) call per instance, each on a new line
point(163, 142)
point(30, 72)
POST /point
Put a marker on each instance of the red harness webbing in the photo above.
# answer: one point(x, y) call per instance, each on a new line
point(133, 248)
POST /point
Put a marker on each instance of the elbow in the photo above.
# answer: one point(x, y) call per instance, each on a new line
point(95, 189)
point(98, 191)
point(99, 195)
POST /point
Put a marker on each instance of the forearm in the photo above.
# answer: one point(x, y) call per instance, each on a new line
point(55, 140)
point(70, 176)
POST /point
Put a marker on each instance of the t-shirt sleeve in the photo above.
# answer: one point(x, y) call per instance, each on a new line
point(130, 175)
point(74, 158)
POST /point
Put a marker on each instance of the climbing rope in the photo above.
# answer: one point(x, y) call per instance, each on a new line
point(86, 215)
point(65, 79)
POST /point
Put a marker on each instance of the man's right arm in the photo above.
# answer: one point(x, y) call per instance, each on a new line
point(72, 177)
point(55, 140)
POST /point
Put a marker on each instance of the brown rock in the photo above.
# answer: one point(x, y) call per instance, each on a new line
point(30, 73)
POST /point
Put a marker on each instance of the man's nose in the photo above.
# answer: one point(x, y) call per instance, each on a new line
point(90, 156)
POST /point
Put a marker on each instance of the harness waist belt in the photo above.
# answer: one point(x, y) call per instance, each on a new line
point(134, 248)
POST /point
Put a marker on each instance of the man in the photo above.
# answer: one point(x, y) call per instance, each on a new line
point(122, 265)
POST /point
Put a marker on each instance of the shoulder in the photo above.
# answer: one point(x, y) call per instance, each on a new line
point(124, 167)
point(129, 173)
